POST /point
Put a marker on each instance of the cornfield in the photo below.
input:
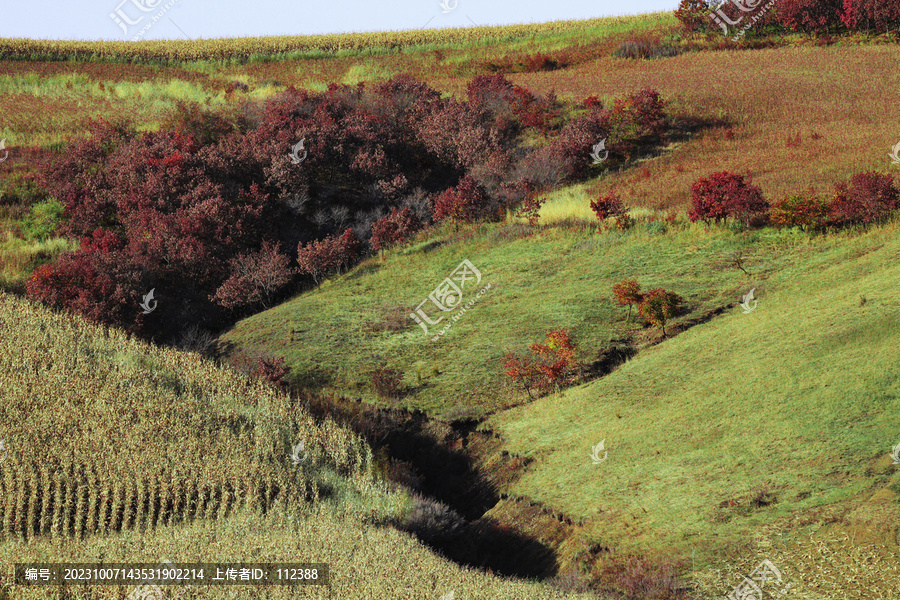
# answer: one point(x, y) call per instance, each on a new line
point(250, 49)
point(106, 433)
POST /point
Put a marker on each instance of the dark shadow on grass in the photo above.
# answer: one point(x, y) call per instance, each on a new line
point(454, 493)
point(610, 358)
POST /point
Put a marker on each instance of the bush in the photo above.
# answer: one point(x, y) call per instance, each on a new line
point(530, 207)
point(42, 220)
point(256, 278)
point(645, 49)
point(320, 258)
point(432, 521)
point(272, 370)
point(465, 203)
point(624, 222)
point(628, 292)
point(639, 579)
point(96, 285)
point(522, 369)
point(658, 306)
point(592, 103)
point(812, 16)
point(800, 210)
point(726, 194)
point(869, 198)
point(549, 365)
point(393, 229)
point(640, 117)
point(607, 206)
point(693, 15)
point(506, 108)
point(205, 125)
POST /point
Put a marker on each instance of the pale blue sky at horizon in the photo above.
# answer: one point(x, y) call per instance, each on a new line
point(120, 20)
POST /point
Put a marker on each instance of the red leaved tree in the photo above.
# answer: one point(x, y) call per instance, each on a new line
point(272, 370)
point(256, 278)
point(393, 229)
point(319, 258)
point(805, 211)
point(348, 247)
point(523, 369)
point(868, 198)
point(550, 364)
point(876, 15)
point(693, 15)
point(98, 285)
point(607, 206)
point(465, 203)
point(726, 194)
point(811, 16)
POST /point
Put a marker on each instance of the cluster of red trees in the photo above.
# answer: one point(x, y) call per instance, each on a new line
point(811, 16)
point(210, 211)
point(656, 306)
point(867, 198)
point(634, 125)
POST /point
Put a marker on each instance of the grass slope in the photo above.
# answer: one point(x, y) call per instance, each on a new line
point(736, 428)
point(796, 403)
point(542, 279)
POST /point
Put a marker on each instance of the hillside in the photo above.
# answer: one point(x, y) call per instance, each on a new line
point(741, 425)
point(121, 451)
point(728, 438)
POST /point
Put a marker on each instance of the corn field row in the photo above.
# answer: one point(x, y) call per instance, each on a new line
point(80, 500)
point(248, 48)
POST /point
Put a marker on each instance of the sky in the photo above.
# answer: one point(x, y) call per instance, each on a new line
point(122, 20)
